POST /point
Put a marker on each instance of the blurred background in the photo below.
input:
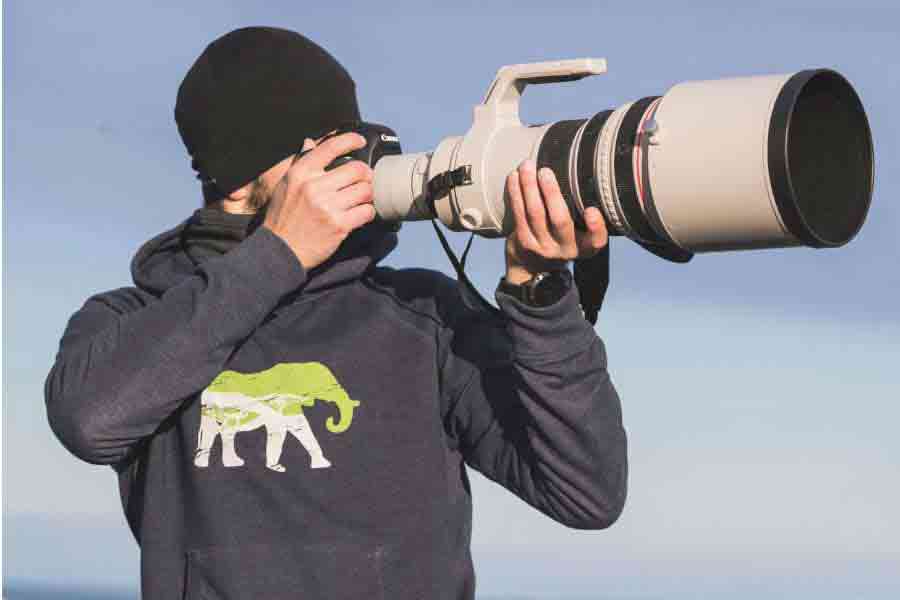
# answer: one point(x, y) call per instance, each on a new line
point(760, 389)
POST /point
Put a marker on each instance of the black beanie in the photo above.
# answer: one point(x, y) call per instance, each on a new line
point(252, 97)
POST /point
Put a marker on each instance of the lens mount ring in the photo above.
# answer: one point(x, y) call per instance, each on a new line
point(625, 174)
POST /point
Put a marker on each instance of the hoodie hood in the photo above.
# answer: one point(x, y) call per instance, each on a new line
point(168, 258)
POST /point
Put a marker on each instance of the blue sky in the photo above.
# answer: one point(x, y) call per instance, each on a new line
point(760, 389)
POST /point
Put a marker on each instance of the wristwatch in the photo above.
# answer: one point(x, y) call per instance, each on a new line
point(543, 289)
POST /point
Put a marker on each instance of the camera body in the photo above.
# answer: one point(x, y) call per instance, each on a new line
point(380, 141)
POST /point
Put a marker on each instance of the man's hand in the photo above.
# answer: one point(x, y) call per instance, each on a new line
point(313, 210)
point(545, 237)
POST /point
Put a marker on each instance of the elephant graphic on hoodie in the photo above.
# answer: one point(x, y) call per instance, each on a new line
point(273, 399)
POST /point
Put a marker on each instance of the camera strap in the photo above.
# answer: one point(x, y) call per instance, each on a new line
point(470, 292)
point(438, 187)
point(592, 280)
point(591, 274)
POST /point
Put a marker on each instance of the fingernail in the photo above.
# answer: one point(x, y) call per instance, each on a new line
point(546, 174)
point(528, 165)
point(591, 215)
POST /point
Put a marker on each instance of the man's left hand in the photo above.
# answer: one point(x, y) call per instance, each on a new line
point(545, 237)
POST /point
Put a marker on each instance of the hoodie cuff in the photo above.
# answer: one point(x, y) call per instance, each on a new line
point(267, 264)
point(556, 331)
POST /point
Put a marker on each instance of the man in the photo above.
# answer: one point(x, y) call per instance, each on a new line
point(289, 420)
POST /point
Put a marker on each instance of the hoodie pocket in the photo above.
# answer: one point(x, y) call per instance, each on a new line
point(281, 571)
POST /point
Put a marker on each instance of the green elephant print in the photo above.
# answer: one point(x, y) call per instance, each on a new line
point(273, 399)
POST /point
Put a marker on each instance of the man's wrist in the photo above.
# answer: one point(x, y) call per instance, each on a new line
point(517, 274)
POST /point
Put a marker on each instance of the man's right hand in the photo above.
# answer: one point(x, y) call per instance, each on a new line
point(314, 210)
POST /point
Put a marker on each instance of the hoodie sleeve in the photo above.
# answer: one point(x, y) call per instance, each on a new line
point(121, 371)
point(529, 403)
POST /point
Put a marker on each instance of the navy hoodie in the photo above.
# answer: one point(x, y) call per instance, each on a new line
point(279, 433)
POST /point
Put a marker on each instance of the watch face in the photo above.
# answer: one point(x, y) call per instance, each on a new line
point(550, 289)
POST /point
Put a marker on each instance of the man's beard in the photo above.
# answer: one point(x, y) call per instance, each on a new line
point(257, 204)
point(259, 196)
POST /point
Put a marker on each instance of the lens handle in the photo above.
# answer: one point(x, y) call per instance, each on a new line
point(501, 103)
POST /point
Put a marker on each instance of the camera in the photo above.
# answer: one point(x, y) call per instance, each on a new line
point(740, 163)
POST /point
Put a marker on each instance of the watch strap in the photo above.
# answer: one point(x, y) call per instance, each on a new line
point(530, 293)
point(517, 291)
